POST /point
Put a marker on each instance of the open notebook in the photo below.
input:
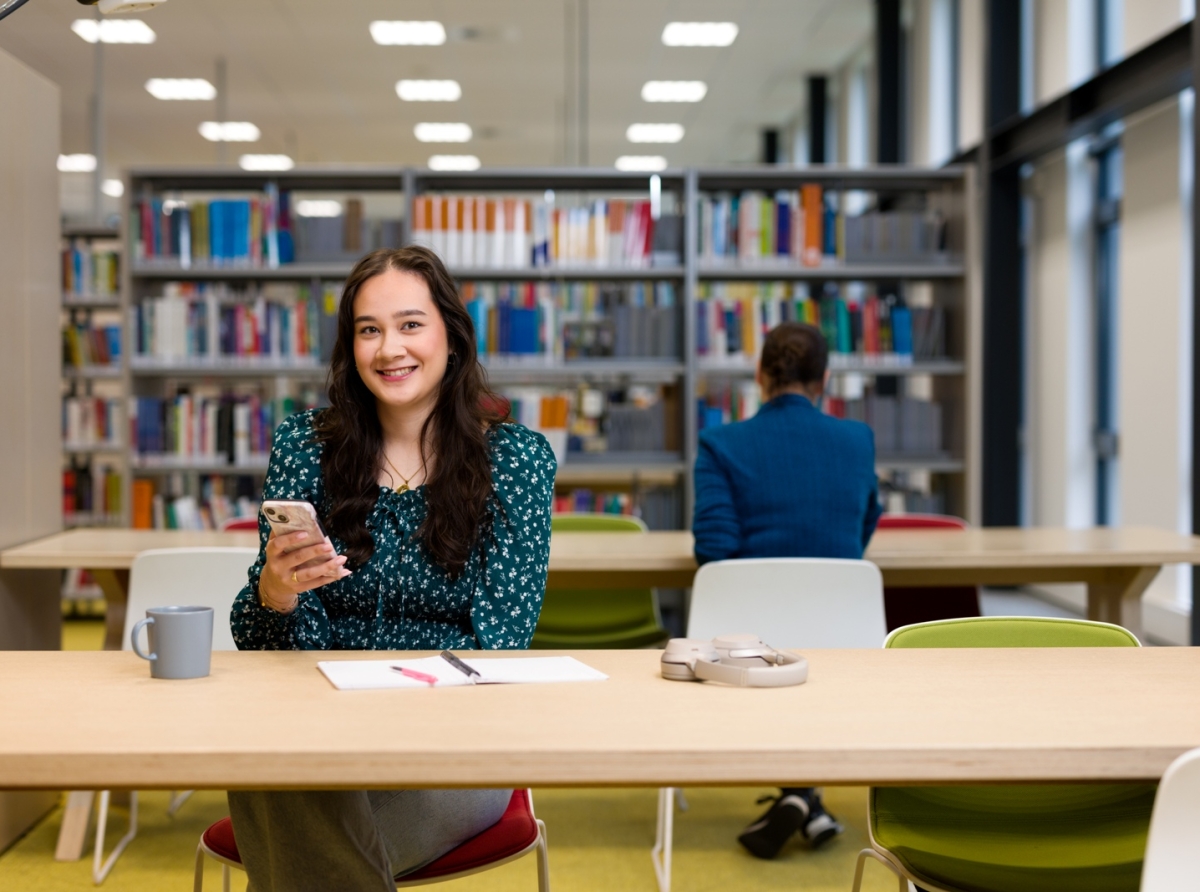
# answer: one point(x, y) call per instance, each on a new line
point(361, 675)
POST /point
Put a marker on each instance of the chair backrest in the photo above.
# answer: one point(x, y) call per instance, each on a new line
point(921, 522)
point(586, 522)
point(240, 524)
point(1012, 631)
point(790, 602)
point(204, 577)
point(1172, 856)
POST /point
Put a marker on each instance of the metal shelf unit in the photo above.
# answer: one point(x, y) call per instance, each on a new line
point(957, 276)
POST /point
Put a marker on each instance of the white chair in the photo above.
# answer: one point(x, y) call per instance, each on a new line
point(791, 603)
point(1172, 856)
point(164, 577)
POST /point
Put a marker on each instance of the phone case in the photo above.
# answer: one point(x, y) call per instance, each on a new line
point(293, 517)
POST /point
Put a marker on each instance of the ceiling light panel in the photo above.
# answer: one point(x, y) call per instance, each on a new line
point(429, 91)
point(699, 33)
point(229, 131)
point(430, 132)
point(454, 162)
point(647, 163)
point(674, 91)
point(79, 163)
point(113, 30)
point(408, 33)
point(654, 132)
point(318, 207)
point(181, 88)
point(266, 162)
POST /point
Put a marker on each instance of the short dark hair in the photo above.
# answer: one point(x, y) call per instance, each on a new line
point(794, 353)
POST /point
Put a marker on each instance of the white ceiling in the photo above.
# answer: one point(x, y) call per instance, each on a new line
point(308, 74)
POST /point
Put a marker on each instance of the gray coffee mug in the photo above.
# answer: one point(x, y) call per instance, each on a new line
point(180, 641)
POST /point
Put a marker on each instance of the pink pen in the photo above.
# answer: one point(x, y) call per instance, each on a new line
point(430, 680)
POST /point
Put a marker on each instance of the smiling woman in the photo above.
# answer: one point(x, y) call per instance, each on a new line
point(438, 514)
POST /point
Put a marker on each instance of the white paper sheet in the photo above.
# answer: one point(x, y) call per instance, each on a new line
point(362, 675)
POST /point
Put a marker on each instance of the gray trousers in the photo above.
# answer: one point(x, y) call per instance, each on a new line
point(353, 841)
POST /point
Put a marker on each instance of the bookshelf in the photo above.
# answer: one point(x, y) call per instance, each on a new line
point(589, 289)
point(95, 464)
point(894, 261)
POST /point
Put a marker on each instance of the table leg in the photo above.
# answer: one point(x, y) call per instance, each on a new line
point(73, 835)
point(1117, 597)
point(115, 585)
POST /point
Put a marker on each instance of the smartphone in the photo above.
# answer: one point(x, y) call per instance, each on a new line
point(293, 517)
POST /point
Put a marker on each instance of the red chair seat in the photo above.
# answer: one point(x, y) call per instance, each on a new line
point(219, 840)
point(906, 605)
point(516, 831)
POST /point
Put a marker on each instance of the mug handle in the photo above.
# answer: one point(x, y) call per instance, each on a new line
point(133, 638)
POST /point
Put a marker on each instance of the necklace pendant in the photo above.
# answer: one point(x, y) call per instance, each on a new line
point(403, 488)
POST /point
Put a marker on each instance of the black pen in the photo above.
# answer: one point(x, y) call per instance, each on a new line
point(462, 667)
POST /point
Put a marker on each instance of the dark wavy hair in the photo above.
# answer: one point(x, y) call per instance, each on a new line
point(794, 353)
point(456, 431)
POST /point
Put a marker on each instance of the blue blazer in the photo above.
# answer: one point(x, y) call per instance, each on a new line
point(789, 482)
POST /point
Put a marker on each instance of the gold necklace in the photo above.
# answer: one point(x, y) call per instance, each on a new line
point(404, 487)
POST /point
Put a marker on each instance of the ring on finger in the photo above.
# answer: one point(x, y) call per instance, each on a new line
point(294, 579)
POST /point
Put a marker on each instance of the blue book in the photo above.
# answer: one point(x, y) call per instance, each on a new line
point(523, 336)
point(239, 235)
point(702, 345)
point(902, 331)
point(216, 232)
point(477, 309)
point(783, 226)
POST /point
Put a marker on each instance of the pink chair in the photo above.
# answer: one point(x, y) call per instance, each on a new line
point(238, 524)
point(922, 604)
point(517, 833)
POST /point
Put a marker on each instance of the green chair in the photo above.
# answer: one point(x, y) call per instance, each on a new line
point(1011, 838)
point(609, 618)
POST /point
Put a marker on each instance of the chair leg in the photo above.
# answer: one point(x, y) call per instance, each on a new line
point(861, 862)
point(100, 866)
point(660, 855)
point(225, 877)
point(198, 884)
point(177, 801)
point(543, 859)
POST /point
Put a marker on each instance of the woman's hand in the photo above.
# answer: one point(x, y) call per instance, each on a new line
point(293, 567)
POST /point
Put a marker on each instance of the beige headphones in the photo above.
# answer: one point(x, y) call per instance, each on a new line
point(740, 660)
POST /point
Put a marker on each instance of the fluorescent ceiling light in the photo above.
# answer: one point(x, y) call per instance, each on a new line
point(674, 91)
point(642, 162)
point(427, 132)
point(408, 33)
point(229, 131)
point(113, 188)
point(113, 30)
point(195, 88)
point(453, 162)
point(318, 207)
point(654, 132)
point(429, 91)
point(699, 33)
point(80, 163)
point(266, 162)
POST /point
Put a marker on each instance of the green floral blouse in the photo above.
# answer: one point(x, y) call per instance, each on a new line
point(399, 599)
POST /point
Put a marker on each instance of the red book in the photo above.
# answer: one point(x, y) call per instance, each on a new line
point(870, 326)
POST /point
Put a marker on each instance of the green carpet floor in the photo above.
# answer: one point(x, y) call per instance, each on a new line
point(599, 841)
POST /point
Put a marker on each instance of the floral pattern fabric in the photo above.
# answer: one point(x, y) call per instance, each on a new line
point(400, 599)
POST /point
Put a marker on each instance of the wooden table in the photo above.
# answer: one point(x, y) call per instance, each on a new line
point(271, 720)
point(1116, 564)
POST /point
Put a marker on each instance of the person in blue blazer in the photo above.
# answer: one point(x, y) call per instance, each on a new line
point(789, 482)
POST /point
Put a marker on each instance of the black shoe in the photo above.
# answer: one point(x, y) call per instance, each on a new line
point(821, 826)
point(789, 812)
